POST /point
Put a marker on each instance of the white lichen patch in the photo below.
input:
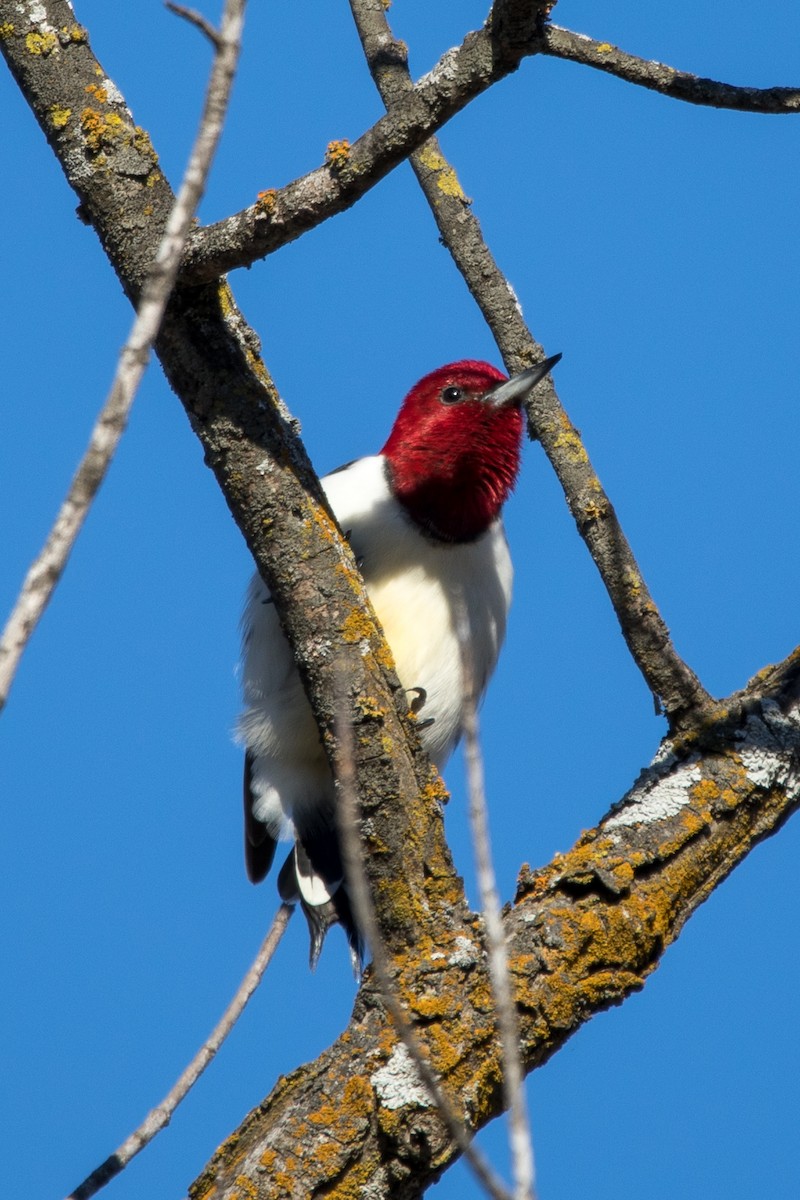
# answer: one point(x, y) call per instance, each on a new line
point(398, 1084)
point(465, 954)
point(769, 750)
point(515, 300)
point(112, 91)
point(657, 797)
point(445, 70)
point(36, 13)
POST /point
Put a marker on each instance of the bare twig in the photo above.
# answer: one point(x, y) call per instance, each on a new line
point(668, 677)
point(361, 898)
point(519, 1133)
point(195, 18)
point(159, 1117)
point(44, 574)
point(679, 85)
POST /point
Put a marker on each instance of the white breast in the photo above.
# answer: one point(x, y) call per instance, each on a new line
point(417, 587)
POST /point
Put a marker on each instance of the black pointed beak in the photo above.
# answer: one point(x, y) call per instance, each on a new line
point(518, 386)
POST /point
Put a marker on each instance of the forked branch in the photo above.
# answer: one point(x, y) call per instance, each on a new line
point(669, 678)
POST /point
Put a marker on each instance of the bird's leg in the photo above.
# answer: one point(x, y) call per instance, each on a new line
point(417, 704)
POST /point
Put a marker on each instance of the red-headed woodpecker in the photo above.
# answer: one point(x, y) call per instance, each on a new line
point(423, 519)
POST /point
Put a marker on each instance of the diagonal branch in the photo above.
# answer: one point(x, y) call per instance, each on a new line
point(47, 569)
point(159, 1117)
point(583, 934)
point(668, 677)
point(282, 214)
point(211, 358)
point(679, 85)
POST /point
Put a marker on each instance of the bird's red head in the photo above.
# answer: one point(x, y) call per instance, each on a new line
point(453, 455)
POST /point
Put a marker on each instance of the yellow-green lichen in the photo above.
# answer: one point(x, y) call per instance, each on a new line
point(41, 43)
point(6, 29)
point(59, 116)
point(593, 511)
point(447, 180)
point(570, 441)
point(142, 143)
point(368, 706)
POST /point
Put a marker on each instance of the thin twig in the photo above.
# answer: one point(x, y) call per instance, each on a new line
point(160, 1116)
point(47, 569)
point(669, 678)
point(364, 909)
point(519, 1133)
point(658, 77)
point(195, 18)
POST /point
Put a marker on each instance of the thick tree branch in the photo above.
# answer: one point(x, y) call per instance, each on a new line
point(347, 816)
point(668, 677)
point(211, 359)
point(282, 214)
point(679, 85)
point(584, 933)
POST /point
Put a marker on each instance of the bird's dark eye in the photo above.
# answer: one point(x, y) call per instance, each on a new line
point(451, 395)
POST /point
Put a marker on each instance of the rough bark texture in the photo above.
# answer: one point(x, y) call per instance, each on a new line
point(211, 358)
point(675, 686)
point(585, 931)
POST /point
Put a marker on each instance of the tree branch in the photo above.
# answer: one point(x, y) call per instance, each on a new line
point(159, 1117)
point(282, 214)
point(43, 576)
point(668, 677)
point(679, 85)
point(347, 819)
point(211, 359)
point(519, 1132)
point(584, 933)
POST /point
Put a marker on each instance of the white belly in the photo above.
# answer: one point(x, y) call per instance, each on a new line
point(417, 588)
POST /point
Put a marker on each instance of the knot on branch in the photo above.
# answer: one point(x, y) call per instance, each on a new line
point(516, 26)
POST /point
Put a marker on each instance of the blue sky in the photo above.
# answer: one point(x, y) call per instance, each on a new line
point(654, 244)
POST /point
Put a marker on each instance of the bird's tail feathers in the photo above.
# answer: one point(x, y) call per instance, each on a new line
point(313, 877)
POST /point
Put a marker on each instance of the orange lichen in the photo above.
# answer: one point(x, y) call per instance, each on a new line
point(265, 201)
point(100, 130)
point(357, 626)
point(247, 1186)
point(337, 154)
point(100, 94)
point(368, 706)
point(705, 792)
